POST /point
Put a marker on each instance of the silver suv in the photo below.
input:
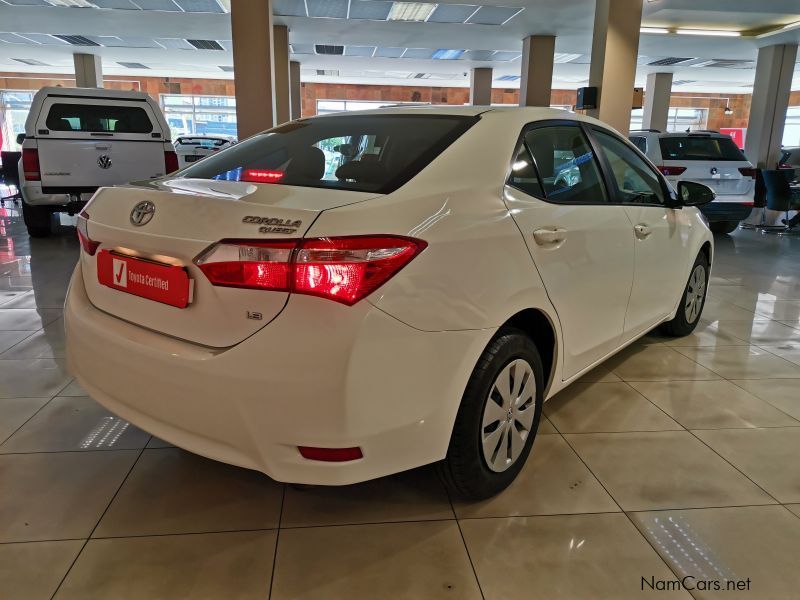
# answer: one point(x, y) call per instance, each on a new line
point(710, 158)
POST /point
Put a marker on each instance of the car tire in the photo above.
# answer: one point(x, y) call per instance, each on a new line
point(37, 220)
point(692, 300)
point(476, 468)
point(723, 226)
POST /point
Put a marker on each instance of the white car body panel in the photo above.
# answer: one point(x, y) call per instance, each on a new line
point(386, 374)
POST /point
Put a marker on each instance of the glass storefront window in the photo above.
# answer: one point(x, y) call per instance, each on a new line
point(791, 131)
point(680, 119)
point(199, 115)
point(14, 109)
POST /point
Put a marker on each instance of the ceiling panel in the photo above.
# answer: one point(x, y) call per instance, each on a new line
point(506, 55)
point(13, 38)
point(28, 2)
point(452, 13)
point(332, 9)
point(420, 53)
point(200, 6)
point(359, 50)
point(389, 52)
point(175, 43)
point(112, 41)
point(302, 48)
point(165, 5)
point(120, 4)
point(43, 38)
point(493, 15)
point(369, 9)
point(479, 55)
point(289, 8)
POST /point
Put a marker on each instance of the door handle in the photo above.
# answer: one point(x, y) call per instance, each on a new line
point(549, 237)
point(642, 231)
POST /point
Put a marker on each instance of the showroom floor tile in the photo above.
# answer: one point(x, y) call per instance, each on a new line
point(696, 438)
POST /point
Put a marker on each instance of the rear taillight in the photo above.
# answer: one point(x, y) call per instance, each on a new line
point(170, 161)
point(30, 164)
point(748, 172)
point(671, 171)
point(344, 269)
point(88, 244)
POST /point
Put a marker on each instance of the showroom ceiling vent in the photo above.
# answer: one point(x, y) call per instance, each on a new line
point(731, 64)
point(329, 49)
point(206, 44)
point(670, 60)
point(31, 61)
point(76, 40)
point(328, 72)
point(132, 65)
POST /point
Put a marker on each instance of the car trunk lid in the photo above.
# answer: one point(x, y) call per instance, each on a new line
point(189, 216)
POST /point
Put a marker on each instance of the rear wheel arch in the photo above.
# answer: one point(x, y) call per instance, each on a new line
point(706, 249)
point(541, 330)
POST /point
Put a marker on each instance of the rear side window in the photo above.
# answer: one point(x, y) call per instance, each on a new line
point(374, 153)
point(566, 164)
point(700, 148)
point(97, 118)
point(640, 143)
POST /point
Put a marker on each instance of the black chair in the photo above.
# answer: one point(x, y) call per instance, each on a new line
point(779, 198)
point(9, 175)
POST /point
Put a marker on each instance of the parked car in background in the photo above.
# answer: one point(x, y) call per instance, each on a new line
point(191, 148)
point(706, 157)
point(80, 139)
point(417, 305)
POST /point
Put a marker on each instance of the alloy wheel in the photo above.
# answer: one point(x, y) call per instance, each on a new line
point(508, 415)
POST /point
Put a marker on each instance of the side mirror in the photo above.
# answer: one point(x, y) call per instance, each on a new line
point(691, 193)
point(20, 138)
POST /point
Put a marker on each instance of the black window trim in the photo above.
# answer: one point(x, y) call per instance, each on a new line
point(608, 173)
point(560, 123)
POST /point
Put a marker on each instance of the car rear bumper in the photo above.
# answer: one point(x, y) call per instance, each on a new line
point(728, 208)
point(36, 196)
point(352, 377)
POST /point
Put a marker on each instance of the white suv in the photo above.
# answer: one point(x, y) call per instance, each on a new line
point(78, 140)
point(710, 158)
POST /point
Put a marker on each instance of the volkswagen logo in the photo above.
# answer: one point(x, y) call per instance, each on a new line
point(714, 170)
point(104, 161)
point(142, 213)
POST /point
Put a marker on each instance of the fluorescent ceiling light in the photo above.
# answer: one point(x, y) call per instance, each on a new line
point(791, 25)
point(411, 11)
point(78, 3)
point(561, 58)
point(660, 30)
point(710, 32)
point(444, 54)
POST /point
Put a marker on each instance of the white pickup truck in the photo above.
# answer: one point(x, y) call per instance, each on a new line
point(80, 139)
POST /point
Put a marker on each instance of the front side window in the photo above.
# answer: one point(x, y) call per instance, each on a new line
point(635, 181)
point(374, 153)
point(97, 118)
point(566, 164)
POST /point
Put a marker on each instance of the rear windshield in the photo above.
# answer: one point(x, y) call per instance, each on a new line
point(700, 148)
point(375, 153)
point(98, 118)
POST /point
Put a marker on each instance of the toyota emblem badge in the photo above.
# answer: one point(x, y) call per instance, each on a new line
point(142, 213)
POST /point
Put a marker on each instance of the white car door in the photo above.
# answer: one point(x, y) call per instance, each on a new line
point(581, 243)
point(661, 233)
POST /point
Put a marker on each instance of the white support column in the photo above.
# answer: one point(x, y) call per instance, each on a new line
point(656, 101)
point(480, 86)
point(296, 91)
point(770, 100)
point(282, 90)
point(253, 65)
point(88, 70)
point(536, 84)
point(615, 47)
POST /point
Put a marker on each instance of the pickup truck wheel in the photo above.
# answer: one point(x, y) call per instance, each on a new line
point(723, 226)
point(37, 219)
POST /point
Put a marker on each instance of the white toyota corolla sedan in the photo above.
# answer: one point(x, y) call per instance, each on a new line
point(349, 296)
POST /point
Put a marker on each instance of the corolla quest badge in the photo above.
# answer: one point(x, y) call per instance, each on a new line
point(142, 213)
point(104, 161)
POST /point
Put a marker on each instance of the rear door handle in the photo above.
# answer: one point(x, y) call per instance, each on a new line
point(550, 237)
point(642, 231)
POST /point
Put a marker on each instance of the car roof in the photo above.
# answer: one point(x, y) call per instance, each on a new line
point(666, 134)
point(101, 93)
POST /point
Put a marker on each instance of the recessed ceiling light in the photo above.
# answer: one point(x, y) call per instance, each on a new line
point(561, 58)
point(659, 30)
point(445, 54)
point(78, 3)
point(709, 32)
point(411, 11)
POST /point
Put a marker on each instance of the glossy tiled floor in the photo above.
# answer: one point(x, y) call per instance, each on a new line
point(677, 457)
